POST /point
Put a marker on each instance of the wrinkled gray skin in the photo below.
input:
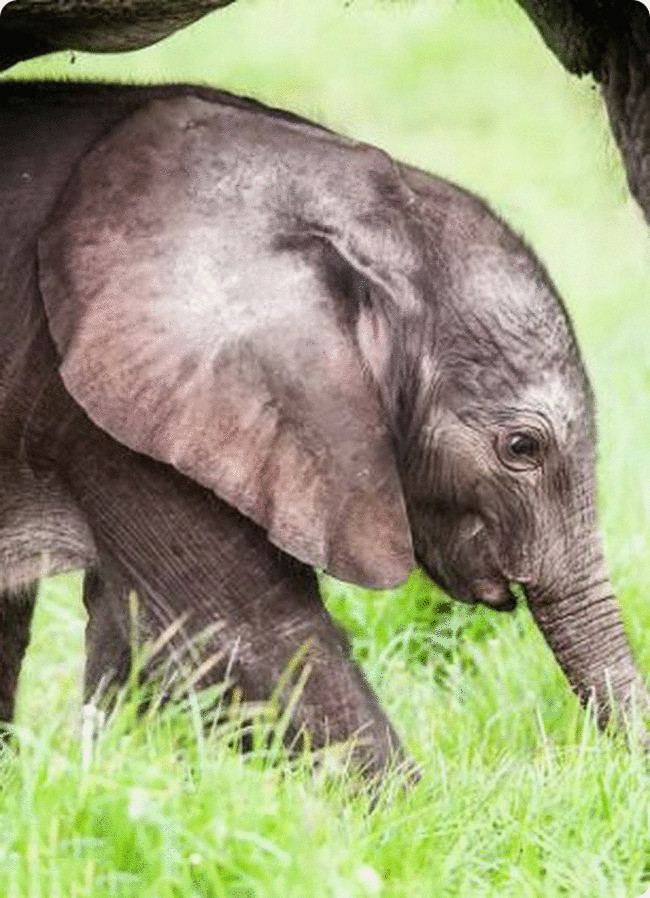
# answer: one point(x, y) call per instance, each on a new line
point(609, 39)
point(237, 346)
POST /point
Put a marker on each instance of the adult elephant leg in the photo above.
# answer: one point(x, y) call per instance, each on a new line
point(16, 612)
point(192, 559)
point(611, 41)
point(625, 76)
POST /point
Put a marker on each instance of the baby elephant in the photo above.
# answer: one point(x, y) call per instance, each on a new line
point(238, 347)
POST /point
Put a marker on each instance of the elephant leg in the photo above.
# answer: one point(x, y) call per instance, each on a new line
point(198, 564)
point(42, 532)
point(274, 638)
point(16, 612)
point(283, 642)
point(108, 632)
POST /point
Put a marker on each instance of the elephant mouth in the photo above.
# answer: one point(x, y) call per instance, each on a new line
point(495, 592)
point(499, 596)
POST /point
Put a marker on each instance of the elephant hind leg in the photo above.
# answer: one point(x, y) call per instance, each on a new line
point(42, 532)
point(16, 612)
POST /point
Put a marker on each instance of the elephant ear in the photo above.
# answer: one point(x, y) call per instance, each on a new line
point(198, 322)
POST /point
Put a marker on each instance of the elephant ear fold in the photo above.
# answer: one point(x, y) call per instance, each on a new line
point(190, 333)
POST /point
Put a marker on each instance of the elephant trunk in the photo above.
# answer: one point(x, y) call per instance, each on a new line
point(583, 627)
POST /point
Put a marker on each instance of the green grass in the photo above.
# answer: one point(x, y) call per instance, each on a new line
point(520, 796)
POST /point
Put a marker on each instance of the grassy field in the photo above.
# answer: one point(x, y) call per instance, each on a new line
point(520, 796)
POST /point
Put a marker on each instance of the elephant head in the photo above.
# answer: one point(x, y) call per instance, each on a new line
point(360, 358)
point(500, 431)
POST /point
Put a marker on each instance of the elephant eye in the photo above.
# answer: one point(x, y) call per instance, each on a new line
point(522, 444)
point(521, 449)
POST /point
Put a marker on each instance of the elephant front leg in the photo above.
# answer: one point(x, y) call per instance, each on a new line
point(272, 639)
point(16, 612)
point(280, 643)
point(197, 564)
point(283, 642)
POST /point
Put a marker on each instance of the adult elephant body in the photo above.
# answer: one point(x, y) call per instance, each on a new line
point(237, 346)
point(32, 27)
